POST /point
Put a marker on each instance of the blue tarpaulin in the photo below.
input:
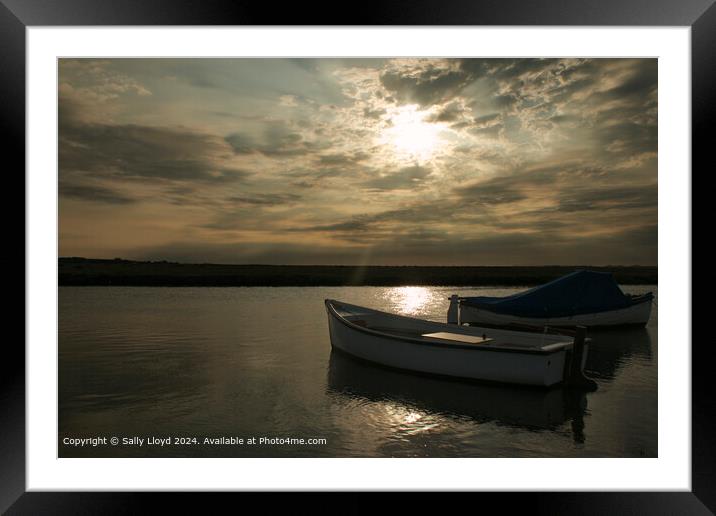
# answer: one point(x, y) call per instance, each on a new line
point(580, 292)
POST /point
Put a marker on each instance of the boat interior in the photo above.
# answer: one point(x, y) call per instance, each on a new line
point(434, 332)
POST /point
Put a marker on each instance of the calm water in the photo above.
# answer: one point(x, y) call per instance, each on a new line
point(246, 363)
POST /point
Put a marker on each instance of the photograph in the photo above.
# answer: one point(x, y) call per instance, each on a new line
point(357, 257)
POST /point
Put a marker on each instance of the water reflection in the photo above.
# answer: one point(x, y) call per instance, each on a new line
point(409, 300)
point(611, 350)
point(420, 401)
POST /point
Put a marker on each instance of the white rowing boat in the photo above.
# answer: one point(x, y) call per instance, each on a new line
point(493, 355)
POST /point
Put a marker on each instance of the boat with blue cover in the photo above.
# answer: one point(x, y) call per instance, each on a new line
point(582, 298)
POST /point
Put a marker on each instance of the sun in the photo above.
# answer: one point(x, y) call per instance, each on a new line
point(410, 135)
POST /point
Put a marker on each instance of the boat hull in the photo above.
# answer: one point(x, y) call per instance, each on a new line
point(465, 362)
point(636, 315)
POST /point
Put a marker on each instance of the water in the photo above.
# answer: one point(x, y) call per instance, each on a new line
point(246, 363)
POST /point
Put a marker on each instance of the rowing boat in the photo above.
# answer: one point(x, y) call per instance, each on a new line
point(472, 353)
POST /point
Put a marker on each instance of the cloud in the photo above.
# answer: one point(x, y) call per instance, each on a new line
point(375, 114)
point(382, 223)
point(89, 90)
point(499, 190)
point(551, 199)
point(142, 152)
point(342, 159)
point(424, 82)
point(249, 211)
point(241, 143)
point(264, 199)
point(430, 82)
point(505, 101)
point(639, 82)
point(276, 141)
point(290, 160)
point(408, 177)
point(621, 197)
point(94, 193)
point(486, 120)
point(449, 113)
point(355, 224)
point(630, 246)
point(492, 131)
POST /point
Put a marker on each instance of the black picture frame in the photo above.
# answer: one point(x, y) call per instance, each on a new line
point(17, 15)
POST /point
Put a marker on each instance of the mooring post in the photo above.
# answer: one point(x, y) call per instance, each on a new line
point(576, 375)
point(453, 315)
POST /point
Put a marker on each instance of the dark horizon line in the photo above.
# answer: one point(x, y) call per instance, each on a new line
point(172, 262)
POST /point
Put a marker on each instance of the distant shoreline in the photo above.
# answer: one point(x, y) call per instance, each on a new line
point(99, 272)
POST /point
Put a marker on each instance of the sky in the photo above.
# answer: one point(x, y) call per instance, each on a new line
point(359, 161)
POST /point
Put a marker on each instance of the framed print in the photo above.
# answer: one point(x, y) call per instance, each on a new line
point(420, 252)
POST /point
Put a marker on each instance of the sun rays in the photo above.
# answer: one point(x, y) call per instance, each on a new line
point(411, 136)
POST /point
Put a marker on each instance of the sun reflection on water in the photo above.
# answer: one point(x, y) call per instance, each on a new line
point(410, 300)
point(404, 421)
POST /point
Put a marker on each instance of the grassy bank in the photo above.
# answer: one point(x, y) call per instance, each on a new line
point(83, 271)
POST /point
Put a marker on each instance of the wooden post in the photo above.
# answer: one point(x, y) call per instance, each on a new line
point(453, 315)
point(575, 375)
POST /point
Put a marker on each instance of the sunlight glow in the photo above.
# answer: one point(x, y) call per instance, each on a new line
point(410, 135)
point(410, 300)
point(405, 420)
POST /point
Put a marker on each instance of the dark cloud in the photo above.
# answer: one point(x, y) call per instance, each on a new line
point(486, 120)
point(145, 152)
point(264, 199)
point(241, 143)
point(512, 68)
point(316, 177)
point(566, 119)
point(623, 197)
point(628, 138)
point(355, 224)
point(249, 211)
point(638, 84)
point(500, 190)
point(428, 84)
point(278, 253)
point(94, 193)
point(450, 113)
point(424, 85)
point(342, 159)
point(575, 187)
point(505, 101)
point(281, 141)
point(417, 213)
point(561, 187)
point(566, 91)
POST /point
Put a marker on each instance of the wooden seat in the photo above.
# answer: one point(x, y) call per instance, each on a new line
point(458, 337)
